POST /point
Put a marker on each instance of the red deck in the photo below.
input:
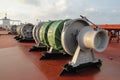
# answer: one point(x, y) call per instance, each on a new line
point(109, 26)
point(17, 63)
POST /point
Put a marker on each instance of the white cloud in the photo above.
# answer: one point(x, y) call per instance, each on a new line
point(31, 2)
point(116, 11)
point(90, 10)
point(30, 10)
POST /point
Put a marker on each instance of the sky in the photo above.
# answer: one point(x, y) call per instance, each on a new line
point(32, 11)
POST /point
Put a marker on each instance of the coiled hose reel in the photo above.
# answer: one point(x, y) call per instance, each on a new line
point(13, 29)
point(25, 32)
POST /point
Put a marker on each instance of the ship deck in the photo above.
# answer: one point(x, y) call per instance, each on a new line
point(17, 63)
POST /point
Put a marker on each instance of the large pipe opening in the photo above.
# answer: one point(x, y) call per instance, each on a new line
point(97, 40)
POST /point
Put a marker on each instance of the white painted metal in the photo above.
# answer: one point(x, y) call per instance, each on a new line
point(6, 23)
point(79, 39)
point(35, 33)
point(69, 34)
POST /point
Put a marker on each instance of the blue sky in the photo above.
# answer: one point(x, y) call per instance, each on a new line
point(98, 11)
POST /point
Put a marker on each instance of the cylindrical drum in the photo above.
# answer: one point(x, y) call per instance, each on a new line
point(43, 33)
point(54, 34)
point(26, 31)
